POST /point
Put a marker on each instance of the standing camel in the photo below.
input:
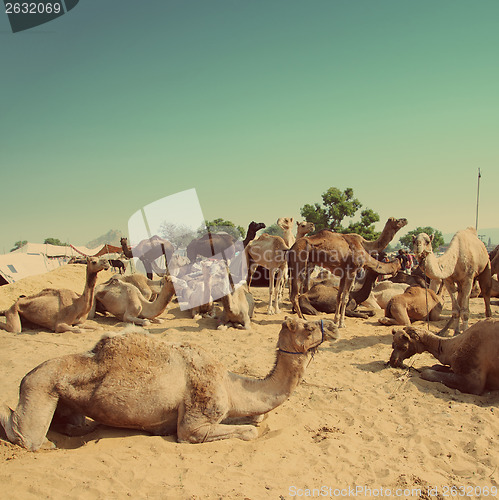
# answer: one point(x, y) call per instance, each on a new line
point(148, 251)
point(465, 259)
point(270, 252)
point(343, 253)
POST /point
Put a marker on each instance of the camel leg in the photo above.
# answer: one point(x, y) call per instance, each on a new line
point(28, 425)
point(197, 432)
point(251, 271)
point(272, 274)
point(279, 278)
point(12, 320)
point(64, 327)
point(343, 298)
point(451, 323)
point(485, 281)
point(463, 298)
point(473, 382)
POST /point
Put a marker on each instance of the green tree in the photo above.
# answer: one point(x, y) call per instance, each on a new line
point(19, 244)
point(224, 225)
point(336, 205)
point(54, 241)
point(274, 230)
point(438, 238)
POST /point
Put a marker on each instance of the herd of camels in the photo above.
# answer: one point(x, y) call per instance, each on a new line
point(117, 383)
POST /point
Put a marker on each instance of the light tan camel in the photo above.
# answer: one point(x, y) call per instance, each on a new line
point(237, 308)
point(415, 304)
point(269, 252)
point(470, 359)
point(126, 302)
point(136, 381)
point(465, 259)
point(303, 228)
point(383, 292)
point(149, 288)
point(56, 309)
point(340, 253)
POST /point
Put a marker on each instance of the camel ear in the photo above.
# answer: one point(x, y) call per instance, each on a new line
point(290, 324)
point(431, 237)
point(396, 330)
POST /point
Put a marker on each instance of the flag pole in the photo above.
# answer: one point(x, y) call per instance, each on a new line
point(477, 199)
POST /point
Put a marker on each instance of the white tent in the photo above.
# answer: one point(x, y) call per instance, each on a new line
point(15, 266)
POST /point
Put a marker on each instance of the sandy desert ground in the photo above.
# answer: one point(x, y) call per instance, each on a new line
point(353, 427)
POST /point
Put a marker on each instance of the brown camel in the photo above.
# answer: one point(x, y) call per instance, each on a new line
point(56, 309)
point(344, 254)
point(211, 244)
point(253, 228)
point(470, 359)
point(465, 259)
point(322, 297)
point(494, 261)
point(125, 301)
point(136, 381)
point(270, 252)
point(415, 304)
point(148, 250)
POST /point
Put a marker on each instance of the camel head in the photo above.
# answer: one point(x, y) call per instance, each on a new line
point(305, 227)
point(422, 245)
point(301, 336)
point(396, 224)
point(285, 223)
point(96, 264)
point(405, 344)
point(256, 226)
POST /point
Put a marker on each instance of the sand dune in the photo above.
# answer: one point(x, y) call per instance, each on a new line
point(352, 423)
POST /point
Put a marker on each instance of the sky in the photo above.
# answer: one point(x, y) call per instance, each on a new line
point(260, 105)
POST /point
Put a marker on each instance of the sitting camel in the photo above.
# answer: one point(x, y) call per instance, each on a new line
point(344, 253)
point(149, 288)
point(56, 309)
point(323, 294)
point(136, 381)
point(415, 304)
point(470, 359)
point(465, 259)
point(125, 301)
point(237, 308)
point(383, 292)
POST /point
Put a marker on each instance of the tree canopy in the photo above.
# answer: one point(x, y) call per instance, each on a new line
point(225, 225)
point(273, 230)
point(336, 205)
point(438, 238)
point(54, 241)
point(19, 244)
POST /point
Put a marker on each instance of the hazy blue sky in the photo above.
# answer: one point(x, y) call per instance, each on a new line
point(260, 105)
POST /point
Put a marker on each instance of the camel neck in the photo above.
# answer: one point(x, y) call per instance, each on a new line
point(153, 309)
point(381, 243)
point(253, 397)
point(288, 238)
point(434, 344)
point(87, 296)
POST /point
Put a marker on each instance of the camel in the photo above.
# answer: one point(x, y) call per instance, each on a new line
point(136, 381)
point(383, 292)
point(148, 250)
point(253, 228)
point(303, 228)
point(494, 261)
point(322, 297)
point(469, 359)
point(211, 244)
point(270, 252)
point(237, 308)
point(117, 265)
point(213, 282)
point(465, 259)
point(148, 288)
point(340, 253)
point(125, 301)
point(415, 304)
point(56, 309)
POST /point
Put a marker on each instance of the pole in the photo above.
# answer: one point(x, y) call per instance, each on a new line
point(477, 199)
